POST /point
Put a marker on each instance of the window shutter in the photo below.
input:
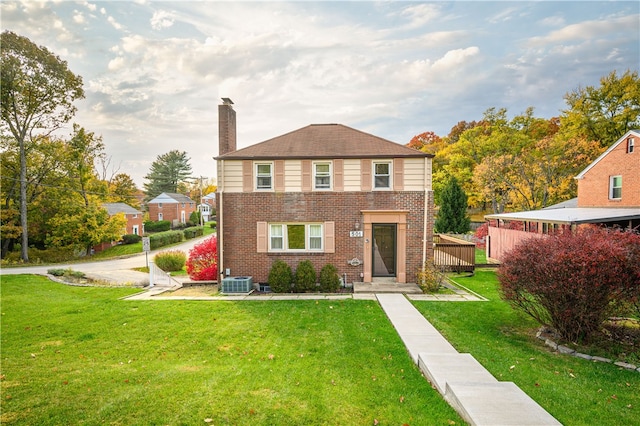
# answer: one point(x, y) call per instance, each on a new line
point(247, 176)
point(279, 175)
point(306, 175)
point(338, 175)
point(262, 237)
point(365, 175)
point(329, 237)
point(398, 174)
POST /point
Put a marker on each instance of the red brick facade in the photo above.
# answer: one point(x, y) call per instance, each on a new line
point(242, 211)
point(171, 211)
point(594, 184)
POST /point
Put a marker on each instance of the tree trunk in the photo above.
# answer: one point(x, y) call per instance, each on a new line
point(23, 203)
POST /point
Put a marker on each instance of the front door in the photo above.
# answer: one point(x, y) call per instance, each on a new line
point(384, 250)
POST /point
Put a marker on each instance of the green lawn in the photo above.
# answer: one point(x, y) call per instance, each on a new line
point(575, 391)
point(80, 355)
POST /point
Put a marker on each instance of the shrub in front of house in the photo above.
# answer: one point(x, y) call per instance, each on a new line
point(192, 232)
point(573, 281)
point(202, 264)
point(280, 277)
point(305, 277)
point(170, 260)
point(157, 226)
point(430, 278)
point(162, 239)
point(213, 224)
point(329, 279)
point(131, 238)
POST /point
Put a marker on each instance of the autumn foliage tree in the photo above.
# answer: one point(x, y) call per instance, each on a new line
point(202, 264)
point(571, 281)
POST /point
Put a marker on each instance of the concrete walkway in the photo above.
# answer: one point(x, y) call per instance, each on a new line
point(465, 384)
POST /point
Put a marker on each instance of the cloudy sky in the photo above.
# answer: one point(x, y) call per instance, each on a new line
point(154, 71)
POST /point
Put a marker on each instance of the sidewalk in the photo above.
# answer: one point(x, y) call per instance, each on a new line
point(465, 384)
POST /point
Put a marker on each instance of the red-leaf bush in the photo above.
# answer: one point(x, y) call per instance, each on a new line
point(202, 264)
point(573, 280)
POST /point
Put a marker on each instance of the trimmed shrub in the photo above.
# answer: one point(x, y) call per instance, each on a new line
point(280, 277)
point(171, 260)
point(66, 273)
point(213, 224)
point(162, 239)
point(202, 264)
point(430, 278)
point(194, 231)
point(194, 217)
point(159, 226)
point(131, 239)
point(305, 277)
point(329, 279)
point(572, 281)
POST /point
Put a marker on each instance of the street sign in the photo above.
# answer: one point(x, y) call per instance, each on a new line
point(146, 244)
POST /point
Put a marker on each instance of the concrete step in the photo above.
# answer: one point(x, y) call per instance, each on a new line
point(495, 404)
point(443, 368)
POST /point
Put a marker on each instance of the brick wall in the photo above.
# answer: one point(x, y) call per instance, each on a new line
point(241, 212)
point(593, 188)
point(170, 211)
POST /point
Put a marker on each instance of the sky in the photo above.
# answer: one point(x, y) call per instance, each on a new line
point(155, 71)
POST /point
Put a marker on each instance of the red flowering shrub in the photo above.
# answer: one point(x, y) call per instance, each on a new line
point(480, 236)
point(572, 280)
point(202, 264)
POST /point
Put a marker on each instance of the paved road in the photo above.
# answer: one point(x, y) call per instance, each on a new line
point(109, 269)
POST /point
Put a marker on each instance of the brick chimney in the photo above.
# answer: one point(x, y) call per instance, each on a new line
point(226, 127)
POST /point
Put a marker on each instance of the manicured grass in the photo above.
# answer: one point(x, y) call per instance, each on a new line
point(481, 257)
point(575, 391)
point(79, 355)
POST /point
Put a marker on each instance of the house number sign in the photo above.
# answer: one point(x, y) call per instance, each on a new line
point(355, 233)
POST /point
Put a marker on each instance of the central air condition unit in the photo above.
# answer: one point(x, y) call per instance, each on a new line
point(237, 285)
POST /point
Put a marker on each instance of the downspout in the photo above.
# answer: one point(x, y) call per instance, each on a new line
point(426, 213)
point(221, 222)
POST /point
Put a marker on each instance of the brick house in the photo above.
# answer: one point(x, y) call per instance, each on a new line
point(327, 193)
point(208, 206)
point(134, 221)
point(608, 194)
point(175, 208)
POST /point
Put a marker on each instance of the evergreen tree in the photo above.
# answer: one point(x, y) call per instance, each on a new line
point(166, 173)
point(452, 217)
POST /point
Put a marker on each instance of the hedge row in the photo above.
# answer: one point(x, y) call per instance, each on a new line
point(159, 226)
point(194, 231)
point(162, 239)
point(283, 280)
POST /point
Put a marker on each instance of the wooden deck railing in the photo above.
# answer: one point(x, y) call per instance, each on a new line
point(453, 254)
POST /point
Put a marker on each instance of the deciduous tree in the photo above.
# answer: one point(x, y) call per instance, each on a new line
point(37, 92)
point(604, 113)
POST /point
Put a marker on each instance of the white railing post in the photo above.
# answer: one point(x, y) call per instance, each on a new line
point(151, 267)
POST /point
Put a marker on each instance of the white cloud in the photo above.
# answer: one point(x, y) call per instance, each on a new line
point(588, 30)
point(161, 19)
point(78, 17)
point(453, 59)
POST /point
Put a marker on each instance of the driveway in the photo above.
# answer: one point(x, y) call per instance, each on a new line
point(113, 270)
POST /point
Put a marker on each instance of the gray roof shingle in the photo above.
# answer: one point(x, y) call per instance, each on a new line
point(115, 208)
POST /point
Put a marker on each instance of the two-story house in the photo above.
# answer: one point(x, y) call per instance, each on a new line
point(327, 193)
point(608, 194)
point(134, 221)
point(175, 208)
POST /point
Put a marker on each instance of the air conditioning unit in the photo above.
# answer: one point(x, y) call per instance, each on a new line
point(237, 285)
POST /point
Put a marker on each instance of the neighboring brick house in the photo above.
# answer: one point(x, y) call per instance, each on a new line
point(175, 208)
point(608, 194)
point(327, 193)
point(134, 221)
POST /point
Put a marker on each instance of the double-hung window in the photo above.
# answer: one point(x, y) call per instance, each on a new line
point(322, 175)
point(382, 175)
point(264, 176)
point(300, 237)
point(630, 145)
point(615, 187)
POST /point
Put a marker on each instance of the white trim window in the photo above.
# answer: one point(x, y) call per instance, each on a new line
point(615, 187)
point(322, 175)
point(382, 175)
point(264, 176)
point(630, 145)
point(296, 237)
